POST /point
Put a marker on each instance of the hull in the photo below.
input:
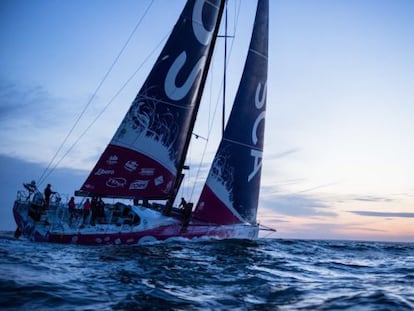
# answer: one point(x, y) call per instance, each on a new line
point(55, 226)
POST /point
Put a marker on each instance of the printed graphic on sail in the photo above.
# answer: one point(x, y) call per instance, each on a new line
point(143, 158)
point(231, 192)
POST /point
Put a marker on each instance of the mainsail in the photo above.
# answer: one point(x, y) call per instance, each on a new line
point(230, 194)
point(144, 159)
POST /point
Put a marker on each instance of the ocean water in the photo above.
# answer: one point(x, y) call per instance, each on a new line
point(267, 274)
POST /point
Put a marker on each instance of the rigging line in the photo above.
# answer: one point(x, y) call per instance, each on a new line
point(43, 177)
point(266, 228)
point(188, 180)
point(211, 94)
point(210, 126)
point(224, 75)
point(109, 103)
point(228, 60)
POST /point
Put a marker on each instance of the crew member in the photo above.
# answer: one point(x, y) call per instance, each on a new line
point(48, 192)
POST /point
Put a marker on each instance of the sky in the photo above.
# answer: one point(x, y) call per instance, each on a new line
point(339, 151)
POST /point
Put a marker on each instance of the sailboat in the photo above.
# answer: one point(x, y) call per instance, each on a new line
point(145, 160)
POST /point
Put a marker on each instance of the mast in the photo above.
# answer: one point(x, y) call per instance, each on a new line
point(181, 162)
point(223, 120)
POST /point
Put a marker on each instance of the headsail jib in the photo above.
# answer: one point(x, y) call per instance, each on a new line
point(231, 192)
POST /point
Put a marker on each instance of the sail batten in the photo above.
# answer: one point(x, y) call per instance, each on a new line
point(242, 144)
point(166, 102)
point(258, 53)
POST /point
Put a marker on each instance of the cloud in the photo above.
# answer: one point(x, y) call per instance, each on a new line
point(282, 154)
point(34, 125)
point(27, 116)
point(271, 218)
point(26, 105)
point(7, 95)
point(383, 214)
point(370, 198)
point(295, 204)
point(320, 186)
point(364, 229)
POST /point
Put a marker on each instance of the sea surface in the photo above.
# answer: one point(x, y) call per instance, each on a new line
point(267, 274)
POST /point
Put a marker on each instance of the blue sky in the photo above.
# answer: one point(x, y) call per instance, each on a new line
point(339, 125)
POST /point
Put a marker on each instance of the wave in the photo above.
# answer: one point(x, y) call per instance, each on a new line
point(263, 274)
